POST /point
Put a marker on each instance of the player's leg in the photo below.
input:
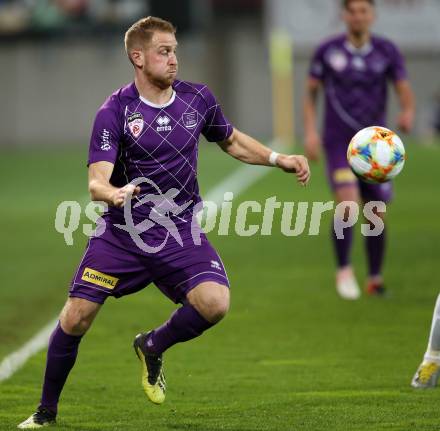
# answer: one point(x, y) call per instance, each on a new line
point(376, 245)
point(75, 319)
point(95, 279)
point(375, 249)
point(191, 275)
point(206, 304)
point(345, 188)
point(346, 283)
point(428, 373)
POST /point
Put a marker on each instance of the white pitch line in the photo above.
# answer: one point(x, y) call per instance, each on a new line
point(241, 179)
point(237, 182)
point(17, 359)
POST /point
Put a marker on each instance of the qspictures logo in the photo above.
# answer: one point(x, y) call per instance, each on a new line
point(229, 217)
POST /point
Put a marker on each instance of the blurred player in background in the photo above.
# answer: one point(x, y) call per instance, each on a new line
point(429, 370)
point(353, 69)
point(150, 129)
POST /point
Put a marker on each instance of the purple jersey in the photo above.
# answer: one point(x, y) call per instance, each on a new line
point(158, 142)
point(355, 83)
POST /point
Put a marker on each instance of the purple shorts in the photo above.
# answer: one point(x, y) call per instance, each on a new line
point(340, 174)
point(113, 266)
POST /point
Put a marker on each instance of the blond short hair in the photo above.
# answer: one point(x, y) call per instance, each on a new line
point(141, 32)
point(346, 3)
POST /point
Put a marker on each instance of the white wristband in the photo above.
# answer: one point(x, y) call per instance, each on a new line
point(273, 158)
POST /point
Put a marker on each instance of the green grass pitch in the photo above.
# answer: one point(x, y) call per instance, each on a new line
point(290, 355)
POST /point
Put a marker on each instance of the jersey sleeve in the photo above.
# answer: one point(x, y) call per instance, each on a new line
point(217, 128)
point(317, 65)
point(106, 134)
point(396, 69)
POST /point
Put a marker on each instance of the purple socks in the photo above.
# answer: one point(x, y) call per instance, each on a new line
point(183, 325)
point(343, 247)
point(375, 246)
point(61, 356)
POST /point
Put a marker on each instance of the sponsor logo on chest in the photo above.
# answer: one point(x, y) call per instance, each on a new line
point(358, 63)
point(163, 124)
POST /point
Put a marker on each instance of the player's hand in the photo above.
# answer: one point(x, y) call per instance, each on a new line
point(405, 121)
point(312, 146)
point(297, 165)
point(121, 195)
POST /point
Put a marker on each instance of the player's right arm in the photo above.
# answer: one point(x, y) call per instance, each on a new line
point(101, 190)
point(312, 144)
point(103, 151)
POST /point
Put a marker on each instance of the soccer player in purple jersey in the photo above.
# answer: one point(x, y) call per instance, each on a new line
point(353, 69)
point(149, 130)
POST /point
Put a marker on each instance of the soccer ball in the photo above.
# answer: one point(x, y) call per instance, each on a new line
point(376, 154)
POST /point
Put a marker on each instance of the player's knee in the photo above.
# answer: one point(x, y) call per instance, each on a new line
point(218, 308)
point(75, 318)
point(349, 193)
point(343, 214)
point(74, 323)
point(347, 203)
point(376, 213)
point(212, 302)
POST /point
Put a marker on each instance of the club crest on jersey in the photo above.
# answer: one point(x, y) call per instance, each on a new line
point(135, 123)
point(338, 60)
point(163, 124)
point(189, 119)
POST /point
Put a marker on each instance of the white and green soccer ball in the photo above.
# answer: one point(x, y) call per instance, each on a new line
point(376, 154)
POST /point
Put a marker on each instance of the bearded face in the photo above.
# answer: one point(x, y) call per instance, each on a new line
point(159, 60)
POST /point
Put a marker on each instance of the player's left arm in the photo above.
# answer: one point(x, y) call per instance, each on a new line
point(248, 150)
point(405, 94)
